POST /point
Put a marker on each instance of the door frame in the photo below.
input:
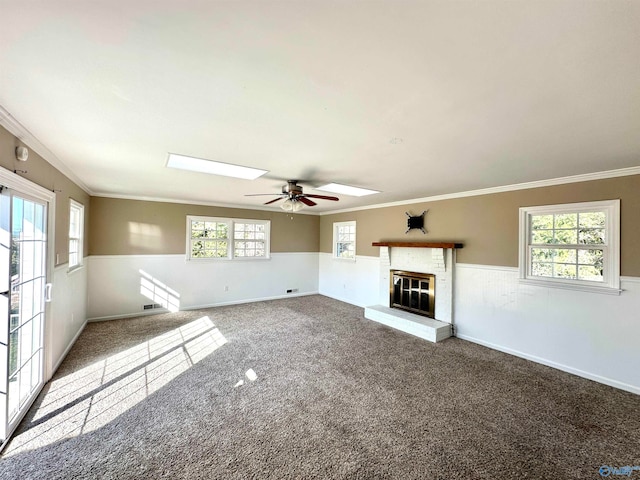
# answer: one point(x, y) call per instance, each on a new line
point(18, 185)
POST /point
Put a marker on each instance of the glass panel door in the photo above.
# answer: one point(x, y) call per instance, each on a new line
point(23, 247)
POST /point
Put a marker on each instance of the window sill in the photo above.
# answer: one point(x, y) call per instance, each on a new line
point(602, 289)
point(341, 259)
point(75, 269)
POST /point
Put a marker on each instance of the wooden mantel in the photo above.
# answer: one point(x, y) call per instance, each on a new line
point(418, 244)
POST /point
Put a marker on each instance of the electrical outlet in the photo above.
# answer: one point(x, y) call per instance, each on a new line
point(226, 288)
point(292, 290)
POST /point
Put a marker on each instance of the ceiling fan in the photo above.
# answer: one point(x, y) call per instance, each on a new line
point(294, 198)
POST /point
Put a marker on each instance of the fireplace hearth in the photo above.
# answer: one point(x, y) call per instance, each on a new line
point(413, 292)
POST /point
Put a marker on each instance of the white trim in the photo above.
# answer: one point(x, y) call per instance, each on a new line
point(336, 226)
point(66, 350)
point(152, 255)
point(75, 205)
point(27, 188)
point(179, 255)
point(558, 366)
point(517, 270)
point(145, 313)
point(231, 240)
point(14, 127)
point(586, 177)
point(24, 185)
point(488, 267)
point(235, 206)
point(198, 307)
point(611, 249)
point(345, 300)
point(567, 285)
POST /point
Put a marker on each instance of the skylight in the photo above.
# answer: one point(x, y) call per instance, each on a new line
point(184, 162)
point(346, 190)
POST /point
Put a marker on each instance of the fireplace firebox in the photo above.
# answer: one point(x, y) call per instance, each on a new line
point(414, 292)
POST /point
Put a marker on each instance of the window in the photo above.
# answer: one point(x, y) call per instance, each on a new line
point(76, 233)
point(227, 238)
point(344, 240)
point(572, 246)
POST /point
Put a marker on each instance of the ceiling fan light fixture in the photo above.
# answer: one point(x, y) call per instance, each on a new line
point(290, 205)
point(346, 190)
point(184, 162)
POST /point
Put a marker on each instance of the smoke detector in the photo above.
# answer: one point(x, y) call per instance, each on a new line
point(22, 153)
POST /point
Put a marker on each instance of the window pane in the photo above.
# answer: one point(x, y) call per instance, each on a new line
point(592, 220)
point(591, 257)
point(541, 237)
point(593, 236)
point(590, 273)
point(195, 225)
point(541, 269)
point(564, 255)
point(541, 222)
point(344, 250)
point(566, 220)
point(564, 271)
point(566, 237)
point(541, 255)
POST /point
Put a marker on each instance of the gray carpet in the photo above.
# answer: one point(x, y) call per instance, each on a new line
point(308, 388)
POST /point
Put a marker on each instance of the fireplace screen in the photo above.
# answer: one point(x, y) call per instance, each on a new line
point(414, 292)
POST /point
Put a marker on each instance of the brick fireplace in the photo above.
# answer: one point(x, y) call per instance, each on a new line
point(433, 261)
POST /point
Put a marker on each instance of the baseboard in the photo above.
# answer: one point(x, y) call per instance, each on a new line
point(251, 300)
point(66, 350)
point(345, 300)
point(156, 311)
point(558, 366)
point(120, 316)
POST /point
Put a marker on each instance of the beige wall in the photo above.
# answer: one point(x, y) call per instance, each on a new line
point(487, 225)
point(42, 173)
point(129, 227)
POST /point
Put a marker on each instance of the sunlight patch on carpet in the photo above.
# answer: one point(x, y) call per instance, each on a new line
point(93, 396)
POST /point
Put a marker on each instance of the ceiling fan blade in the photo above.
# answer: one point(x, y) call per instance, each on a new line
point(323, 197)
point(306, 201)
point(274, 200)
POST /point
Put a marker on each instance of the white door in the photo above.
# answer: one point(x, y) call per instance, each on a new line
point(23, 254)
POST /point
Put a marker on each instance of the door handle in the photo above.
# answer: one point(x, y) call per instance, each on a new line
point(47, 292)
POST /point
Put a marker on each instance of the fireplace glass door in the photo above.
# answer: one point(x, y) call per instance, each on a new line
point(414, 292)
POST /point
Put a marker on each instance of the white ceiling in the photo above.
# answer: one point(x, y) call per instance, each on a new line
point(411, 98)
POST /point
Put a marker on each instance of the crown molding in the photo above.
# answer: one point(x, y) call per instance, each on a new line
point(14, 127)
point(586, 177)
point(203, 203)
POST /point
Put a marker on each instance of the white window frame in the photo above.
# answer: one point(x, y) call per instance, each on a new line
point(231, 240)
point(77, 236)
point(336, 229)
point(611, 247)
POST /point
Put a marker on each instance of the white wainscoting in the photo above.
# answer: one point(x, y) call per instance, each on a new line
point(356, 282)
point(587, 334)
point(114, 281)
point(67, 313)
